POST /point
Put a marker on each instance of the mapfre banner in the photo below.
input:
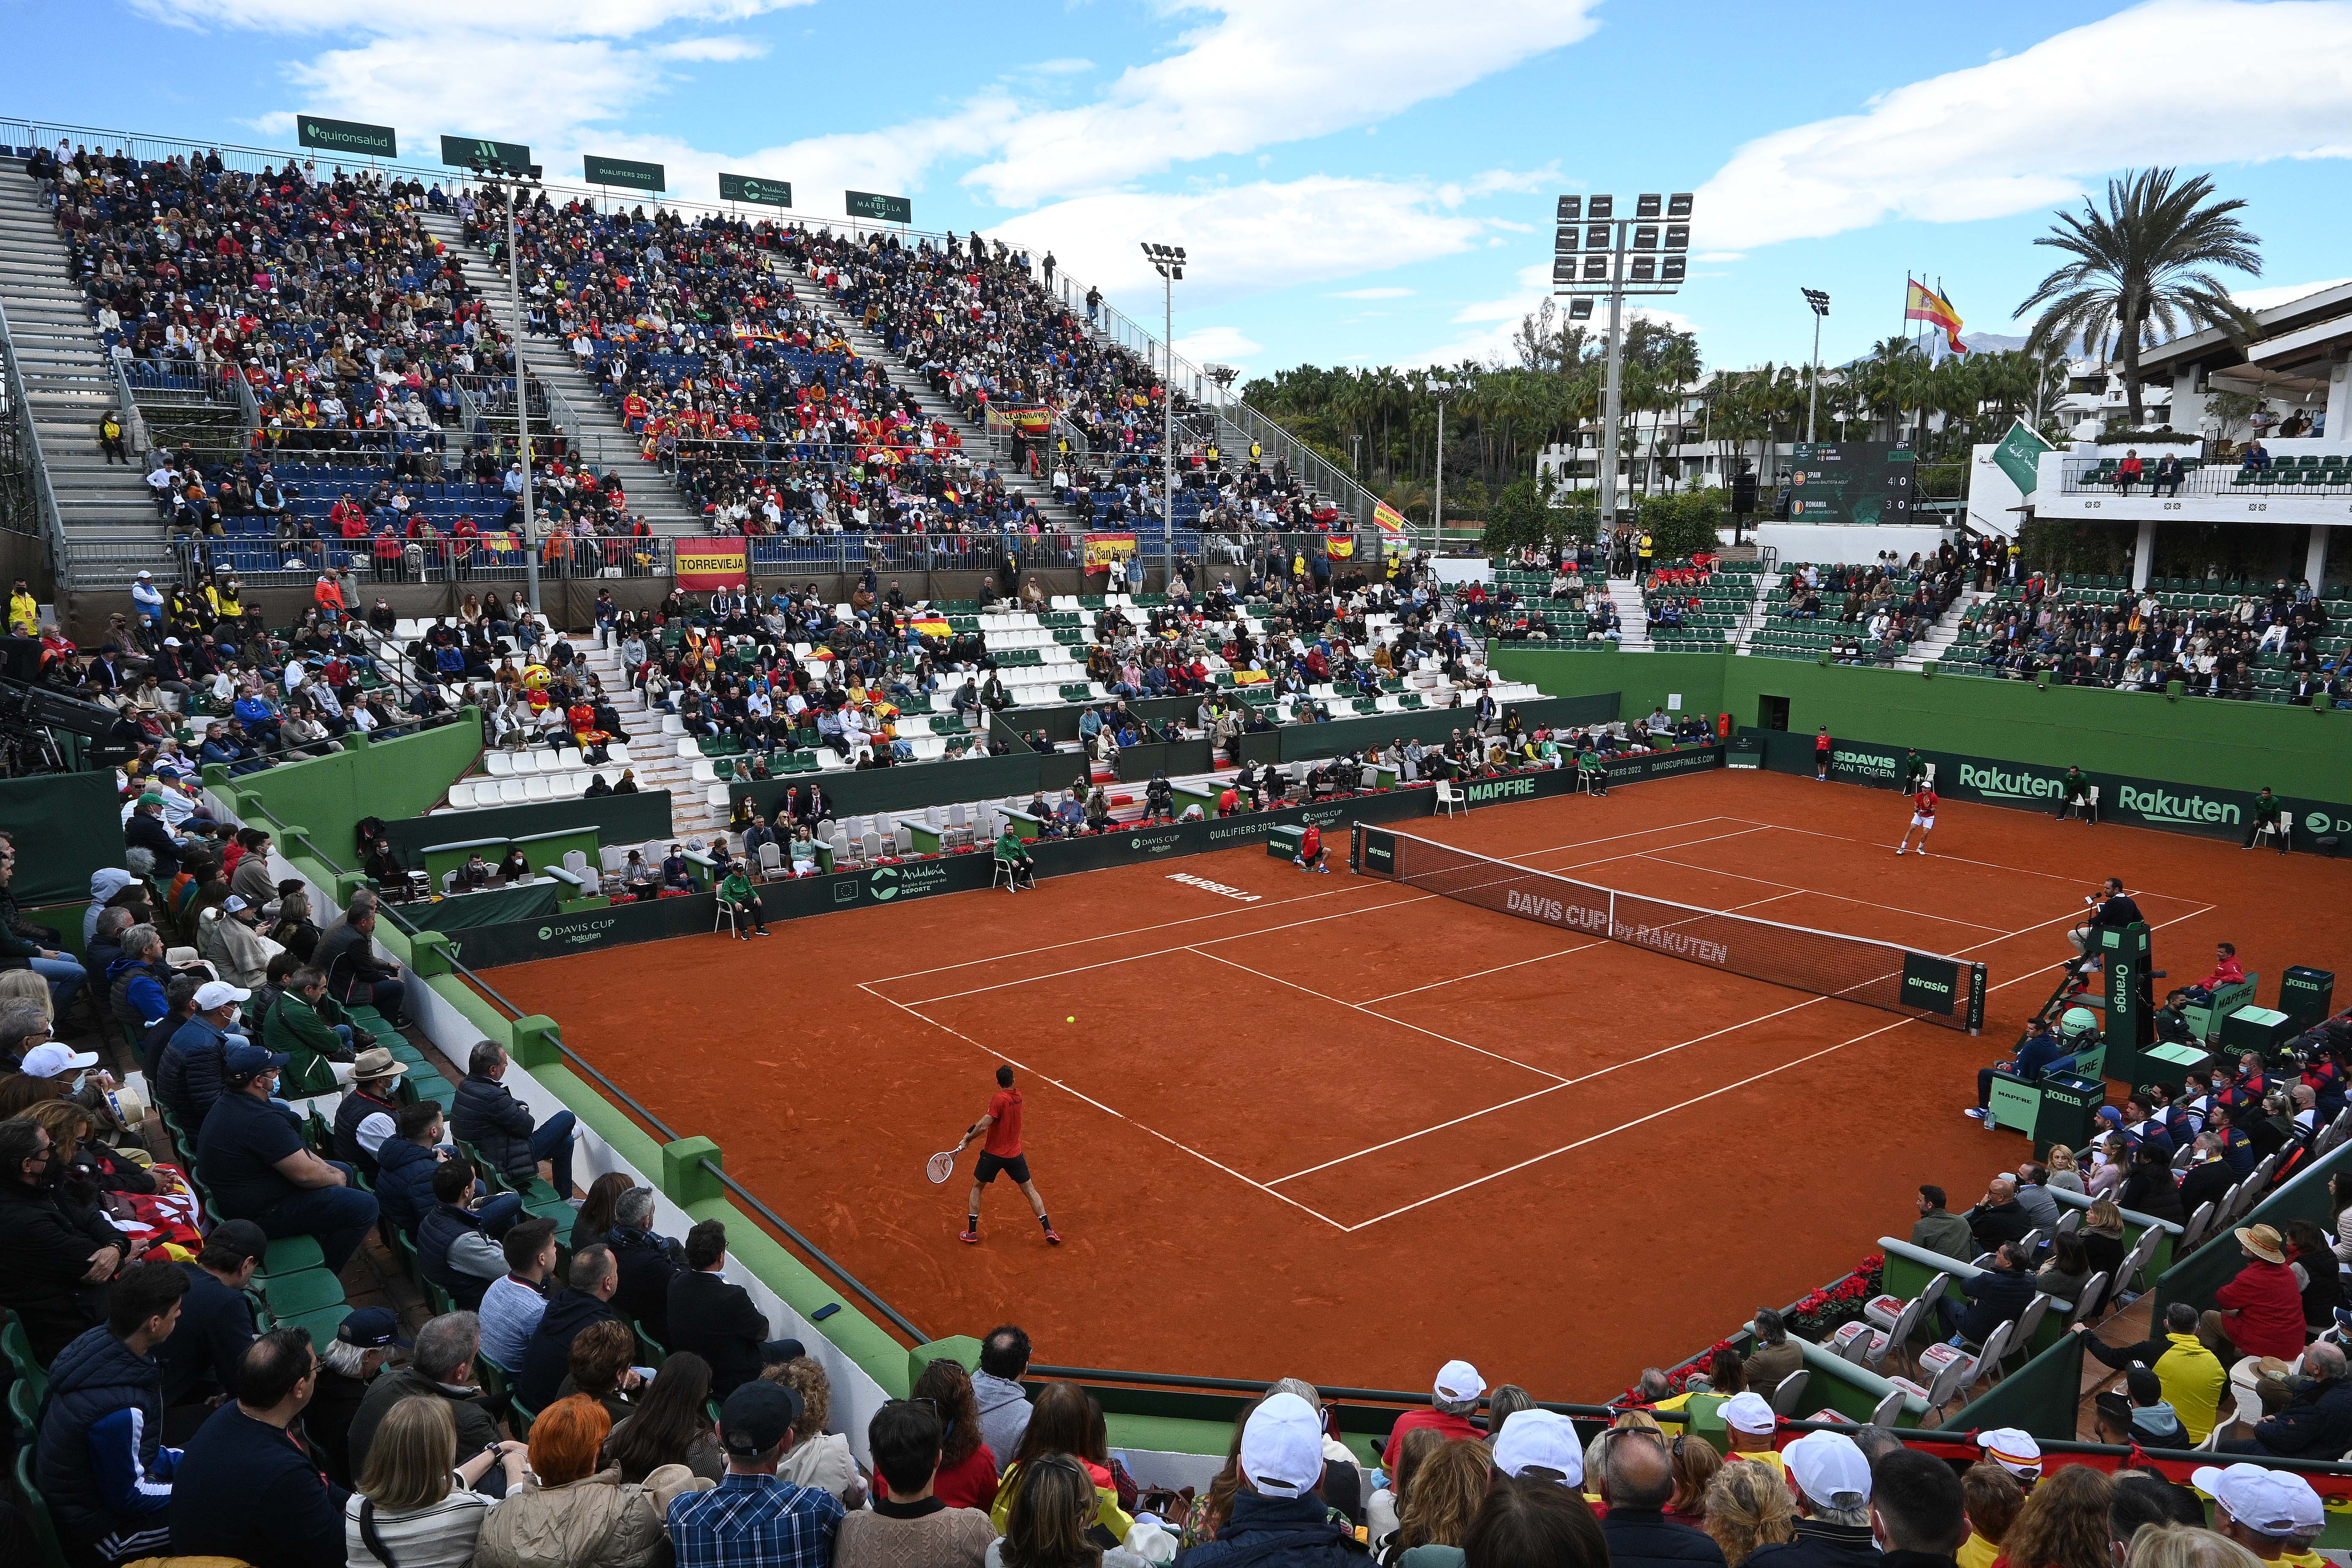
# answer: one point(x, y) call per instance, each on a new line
point(706, 564)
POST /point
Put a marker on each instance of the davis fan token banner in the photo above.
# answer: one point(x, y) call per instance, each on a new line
point(707, 563)
point(1102, 549)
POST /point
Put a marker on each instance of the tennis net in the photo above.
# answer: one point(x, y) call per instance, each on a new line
point(1929, 986)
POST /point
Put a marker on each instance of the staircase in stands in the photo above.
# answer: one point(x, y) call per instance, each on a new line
point(1943, 634)
point(592, 426)
point(809, 290)
point(654, 754)
point(110, 527)
point(1626, 593)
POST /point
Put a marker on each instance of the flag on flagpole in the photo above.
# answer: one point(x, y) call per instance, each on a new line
point(1390, 521)
point(1922, 304)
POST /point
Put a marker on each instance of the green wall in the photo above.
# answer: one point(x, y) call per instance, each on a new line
point(389, 779)
point(66, 826)
point(2193, 741)
point(1647, 679)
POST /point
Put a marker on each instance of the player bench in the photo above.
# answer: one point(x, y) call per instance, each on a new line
point(2205, 1022)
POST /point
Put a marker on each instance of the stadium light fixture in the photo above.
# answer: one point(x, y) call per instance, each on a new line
point(1819, 302)
point(1441, 385)
point(1597, 254)
point(1167, 260)
point(510, 184)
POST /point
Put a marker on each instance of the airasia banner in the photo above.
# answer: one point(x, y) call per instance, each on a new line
point(704, 564)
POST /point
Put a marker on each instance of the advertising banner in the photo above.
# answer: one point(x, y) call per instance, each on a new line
point(752, 189)
point(2032, 786)
point(880, 209)
point(479, 152)
point(1102, 549)
point(625, 173)
point(706, 564)
point(346, 136)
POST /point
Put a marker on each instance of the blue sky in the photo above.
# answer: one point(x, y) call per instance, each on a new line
point(1364, 183)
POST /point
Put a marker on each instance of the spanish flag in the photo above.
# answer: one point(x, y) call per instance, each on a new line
point(933, 626)
point(1251, 677)
point(1339, 547)
point(1390, 521)
point(1921, 303)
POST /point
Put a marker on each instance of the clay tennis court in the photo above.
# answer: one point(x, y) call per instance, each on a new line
point(1351, 1128)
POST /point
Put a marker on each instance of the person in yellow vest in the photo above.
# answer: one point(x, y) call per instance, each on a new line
point(23, 611)
point(110, 439)
point(1298, 566)
point(1749, 1424)
point(1256, 453)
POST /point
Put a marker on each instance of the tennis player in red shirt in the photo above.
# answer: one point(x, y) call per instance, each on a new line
point(1002, 1151)
point(1923, 818)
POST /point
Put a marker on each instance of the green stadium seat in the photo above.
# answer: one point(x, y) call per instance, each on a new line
point(44, 1529)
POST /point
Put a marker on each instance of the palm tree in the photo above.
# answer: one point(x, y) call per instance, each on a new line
point(2141, 266)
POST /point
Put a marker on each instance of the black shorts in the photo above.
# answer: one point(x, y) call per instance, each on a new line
point(1014, 1166)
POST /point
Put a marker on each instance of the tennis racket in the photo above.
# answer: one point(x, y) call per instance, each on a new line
point(940, 1166)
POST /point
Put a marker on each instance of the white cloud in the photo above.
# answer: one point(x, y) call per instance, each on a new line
point(1055, 68)
point(516, 18)
point(2282, 293)
point(1371, 293)
point(2194, 81)
point(1267, 71)
point(1241, 240)
point(1226, 345)
point(723, 48)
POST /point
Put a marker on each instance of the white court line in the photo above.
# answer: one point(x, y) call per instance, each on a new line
point(1228, 914)
point(1098, 1105)
point(1824, 892)
point(1989, 865)
point(1727, 1088)
point(1325, 995)
point(1633, 1061)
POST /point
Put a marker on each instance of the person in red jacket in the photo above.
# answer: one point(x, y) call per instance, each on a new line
point(1822, 754)
point(2226, 971)
point(2264, 1305)
point(1310, 851)
point(1923, 818)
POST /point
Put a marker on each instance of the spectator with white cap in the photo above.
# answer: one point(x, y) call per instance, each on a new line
point(1278, 1519)
point(1540, 1444)
point(189, 1079)
point(1833, 1488)
point(1452, 1402)
point(2258, 1507)
point(1748, 1425)
point(2013, 1450)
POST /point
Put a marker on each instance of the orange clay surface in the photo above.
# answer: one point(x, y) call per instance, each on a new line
point(1350, 1130)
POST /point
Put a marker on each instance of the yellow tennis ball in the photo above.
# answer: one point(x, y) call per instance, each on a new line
point(1071, 1019)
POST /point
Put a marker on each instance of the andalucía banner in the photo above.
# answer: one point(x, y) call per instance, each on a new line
point(1102, 549)
point(704, 564)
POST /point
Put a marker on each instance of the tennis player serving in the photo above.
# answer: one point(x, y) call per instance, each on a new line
point(1002, 1151)
point(1923, 817)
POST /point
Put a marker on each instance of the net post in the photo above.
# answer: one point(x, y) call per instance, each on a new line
point(1355, 848)
point(1976, 997)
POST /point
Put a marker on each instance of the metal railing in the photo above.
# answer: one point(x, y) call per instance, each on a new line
point(612, 1091)
point(44, 495)
point(2284, 479)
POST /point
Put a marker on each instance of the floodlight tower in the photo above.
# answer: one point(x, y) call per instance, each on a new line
point(512, 181)
point(1595, 255)
point(1819, 302)
point(1167, 260)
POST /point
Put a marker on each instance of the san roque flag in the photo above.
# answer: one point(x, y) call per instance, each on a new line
point(933, 626)
point(1390, 521)
point(1921, 303)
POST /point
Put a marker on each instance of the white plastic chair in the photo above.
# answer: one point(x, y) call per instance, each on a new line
point(537, 787)
point(1450, 797)
point(461, 796)
point(510, 793)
